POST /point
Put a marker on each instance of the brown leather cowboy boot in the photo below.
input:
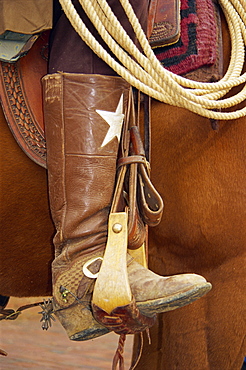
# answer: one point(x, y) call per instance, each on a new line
point(83, 117)
point(81, 159)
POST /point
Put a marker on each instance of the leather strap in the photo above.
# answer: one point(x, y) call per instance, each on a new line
point(125, 319)
point(145, 206)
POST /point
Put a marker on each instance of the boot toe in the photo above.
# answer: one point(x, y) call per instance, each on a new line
point(175, 299)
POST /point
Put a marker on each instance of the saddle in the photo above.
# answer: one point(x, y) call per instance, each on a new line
point(163, 22)
point(20, 82)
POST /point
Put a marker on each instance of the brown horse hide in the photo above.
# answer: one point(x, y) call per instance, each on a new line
point(26, 227)
point(201, 175)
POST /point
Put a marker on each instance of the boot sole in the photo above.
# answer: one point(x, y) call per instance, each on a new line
point(89, 333)
point(165, 304)
point(152, 307)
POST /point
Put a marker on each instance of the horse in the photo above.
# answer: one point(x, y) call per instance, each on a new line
point(200, 173)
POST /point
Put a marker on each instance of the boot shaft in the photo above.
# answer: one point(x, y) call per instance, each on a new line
point(84, 115)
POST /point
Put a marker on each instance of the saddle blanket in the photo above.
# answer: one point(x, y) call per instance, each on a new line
point(198, 43)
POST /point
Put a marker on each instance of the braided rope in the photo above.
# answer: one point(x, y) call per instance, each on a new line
point(145, 72)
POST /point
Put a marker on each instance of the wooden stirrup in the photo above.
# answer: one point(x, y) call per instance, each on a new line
point(112, 287)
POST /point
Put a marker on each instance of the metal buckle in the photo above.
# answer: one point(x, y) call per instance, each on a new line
point(86, 271)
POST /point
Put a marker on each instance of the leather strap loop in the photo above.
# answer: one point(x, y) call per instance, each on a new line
point(150, 202)
point(124, 161)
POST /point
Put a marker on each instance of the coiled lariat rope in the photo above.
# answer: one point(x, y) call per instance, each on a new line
point(145, 72)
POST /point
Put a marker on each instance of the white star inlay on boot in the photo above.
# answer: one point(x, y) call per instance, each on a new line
point(115, 120)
